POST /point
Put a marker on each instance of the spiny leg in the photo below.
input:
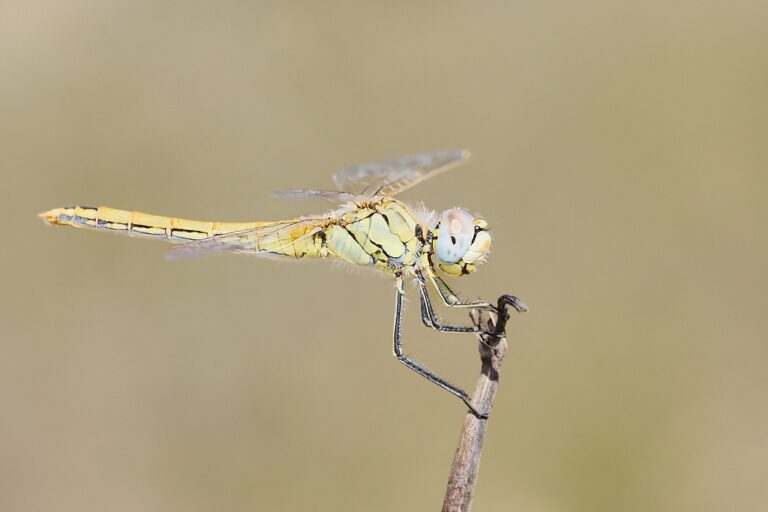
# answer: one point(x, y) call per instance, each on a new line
point(429, 317)
point(413, 365)
point(452, 300)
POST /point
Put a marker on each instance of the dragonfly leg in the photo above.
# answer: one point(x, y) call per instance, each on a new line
point(413, 365)
point(429, 317)
point(452, 300)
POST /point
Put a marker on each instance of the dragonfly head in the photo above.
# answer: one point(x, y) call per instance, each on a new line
point(461, 241)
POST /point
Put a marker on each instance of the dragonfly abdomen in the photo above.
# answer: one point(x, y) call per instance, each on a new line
point(174, 229)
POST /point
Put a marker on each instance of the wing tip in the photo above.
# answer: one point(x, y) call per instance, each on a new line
point(286, 193)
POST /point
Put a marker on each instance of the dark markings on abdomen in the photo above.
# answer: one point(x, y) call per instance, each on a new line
point(181, 230)
point(117, 226)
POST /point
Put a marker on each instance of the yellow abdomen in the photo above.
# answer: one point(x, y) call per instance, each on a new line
point(142, 224)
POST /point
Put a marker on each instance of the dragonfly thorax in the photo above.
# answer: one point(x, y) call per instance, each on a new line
point(460, 242)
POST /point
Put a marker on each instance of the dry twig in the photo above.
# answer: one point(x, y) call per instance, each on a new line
point(466, 461)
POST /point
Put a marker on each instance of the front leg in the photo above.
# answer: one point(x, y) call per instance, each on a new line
point(452, 300)
point(429, 317)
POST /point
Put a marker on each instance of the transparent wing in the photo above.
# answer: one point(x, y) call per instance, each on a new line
point(329, 195)
point(391, 177)
point(268, 239)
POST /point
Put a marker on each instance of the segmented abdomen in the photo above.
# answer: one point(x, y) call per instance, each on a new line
point(141, 224)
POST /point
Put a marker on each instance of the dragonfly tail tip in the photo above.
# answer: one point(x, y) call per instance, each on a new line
point(50, 217)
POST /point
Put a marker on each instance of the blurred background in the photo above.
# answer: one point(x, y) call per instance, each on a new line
point(619, 156)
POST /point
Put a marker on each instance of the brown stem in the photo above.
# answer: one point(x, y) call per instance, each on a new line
point(466, 462)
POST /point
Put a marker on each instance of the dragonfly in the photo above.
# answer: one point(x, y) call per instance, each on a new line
point(369, 227)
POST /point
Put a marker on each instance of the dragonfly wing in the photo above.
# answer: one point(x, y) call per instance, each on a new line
point(334, 196)
point(391, 177)
point(268, 239)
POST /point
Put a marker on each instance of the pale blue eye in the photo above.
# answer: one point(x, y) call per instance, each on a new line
point(455, 237)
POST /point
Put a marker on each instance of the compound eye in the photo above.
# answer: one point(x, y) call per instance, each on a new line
point(456, 232)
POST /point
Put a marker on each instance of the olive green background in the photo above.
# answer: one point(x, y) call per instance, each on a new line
point(619, 155)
